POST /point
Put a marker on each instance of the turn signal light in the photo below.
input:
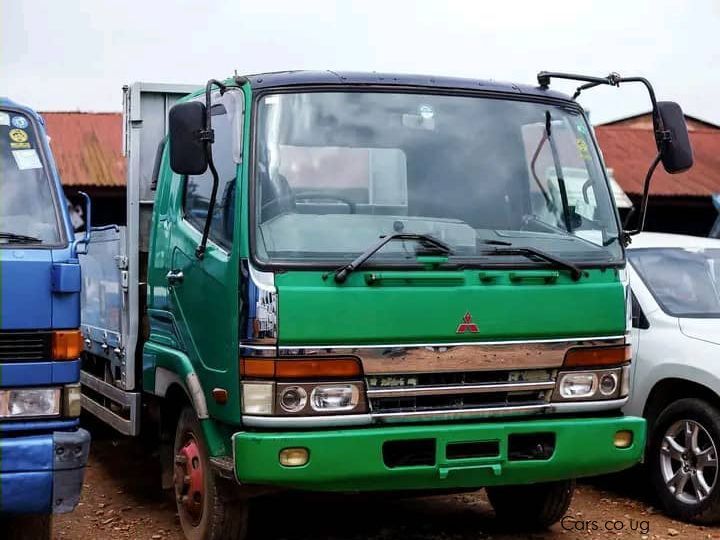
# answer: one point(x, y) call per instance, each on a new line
point(66, 344)
point(305, 368)
point(597, 356)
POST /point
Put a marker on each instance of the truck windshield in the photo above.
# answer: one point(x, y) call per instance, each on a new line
point(27, 208)
point(336, 170)
point(685, 282)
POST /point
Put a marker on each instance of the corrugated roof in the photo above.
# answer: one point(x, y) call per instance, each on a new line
point(87, 148)
point(629, 152)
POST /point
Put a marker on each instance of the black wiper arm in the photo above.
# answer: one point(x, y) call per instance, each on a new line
point(575, 271)
point(22, 238)
point(558, 171)
point(429, 243)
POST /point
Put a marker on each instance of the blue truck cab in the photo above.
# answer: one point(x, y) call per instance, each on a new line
point(43, 451)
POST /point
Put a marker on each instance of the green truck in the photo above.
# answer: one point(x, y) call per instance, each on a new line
point(365, 282)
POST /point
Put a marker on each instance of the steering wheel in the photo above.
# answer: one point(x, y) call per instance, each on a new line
point(309, 195)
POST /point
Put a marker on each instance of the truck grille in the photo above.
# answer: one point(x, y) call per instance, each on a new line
point(396, 396)
point(25, 346)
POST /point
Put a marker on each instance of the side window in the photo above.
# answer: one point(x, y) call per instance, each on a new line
point(198, 189)
point(639, 320)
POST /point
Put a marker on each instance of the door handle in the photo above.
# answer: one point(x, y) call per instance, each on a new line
point(174, 276)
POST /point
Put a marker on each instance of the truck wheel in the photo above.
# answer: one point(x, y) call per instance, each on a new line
point(28, 527)
point(532, 507)
point(207, 505)
point(683, 460)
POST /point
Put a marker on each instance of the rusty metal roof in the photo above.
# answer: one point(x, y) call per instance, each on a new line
point(629, 152)
point(87, 148)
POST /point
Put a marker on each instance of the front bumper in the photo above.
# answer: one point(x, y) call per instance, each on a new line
point(352, 459)
point(40, 474)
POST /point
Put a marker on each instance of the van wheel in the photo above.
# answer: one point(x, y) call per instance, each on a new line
point(533, 507)
point(683, 460)
point(28, 527)
point(207, 505)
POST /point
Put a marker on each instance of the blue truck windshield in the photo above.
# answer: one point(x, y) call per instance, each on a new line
point(27, 208)
point(335, 170)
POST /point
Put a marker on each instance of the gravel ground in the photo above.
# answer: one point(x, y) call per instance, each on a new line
point(122, 499)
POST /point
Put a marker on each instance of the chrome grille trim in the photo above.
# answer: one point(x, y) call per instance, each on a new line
point(458, 389)
point(481, 412)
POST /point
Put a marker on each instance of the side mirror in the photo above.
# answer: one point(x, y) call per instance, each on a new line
point(188, 155)
point(675, 149)
point(80, 246)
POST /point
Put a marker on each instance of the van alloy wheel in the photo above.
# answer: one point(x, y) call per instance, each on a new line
point(688, 461)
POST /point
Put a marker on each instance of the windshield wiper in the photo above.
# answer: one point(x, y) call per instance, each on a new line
point(530, 252)
point(429, 243)
point(558, 171)
point(19, 238)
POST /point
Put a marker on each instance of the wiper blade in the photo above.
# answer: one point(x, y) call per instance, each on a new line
point(20, 238)
point(429, 243)
point(530, 252)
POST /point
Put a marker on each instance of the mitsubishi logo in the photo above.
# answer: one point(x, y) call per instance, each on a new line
point(467, 325)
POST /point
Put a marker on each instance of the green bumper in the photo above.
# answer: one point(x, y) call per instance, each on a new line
point(352, 459)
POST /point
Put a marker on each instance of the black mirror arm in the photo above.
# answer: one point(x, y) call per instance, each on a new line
point(208, 137)
point(644, 202)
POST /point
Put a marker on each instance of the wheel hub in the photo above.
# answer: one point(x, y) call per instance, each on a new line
point(688, 461)
point(189, 480)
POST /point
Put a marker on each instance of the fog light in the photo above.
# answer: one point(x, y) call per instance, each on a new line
point(340, 397)
point(577, 385)
point(294, 457)
point(623, 439)
point(257, 398)
point(293, 399)
point(608, 384)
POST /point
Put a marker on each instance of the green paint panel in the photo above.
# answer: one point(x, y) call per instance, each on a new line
point(504, 306)
point(352, 459)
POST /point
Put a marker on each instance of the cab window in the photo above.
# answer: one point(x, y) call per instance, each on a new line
point(198, 189)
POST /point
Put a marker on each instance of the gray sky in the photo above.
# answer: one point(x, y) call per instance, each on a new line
point(77, 54)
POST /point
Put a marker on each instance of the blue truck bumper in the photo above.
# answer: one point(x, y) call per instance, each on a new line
point(40, 474)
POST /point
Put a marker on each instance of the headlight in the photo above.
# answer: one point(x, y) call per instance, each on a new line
point(302, 399)
point(29, 402)
point(258, 398)
point(335, 398)
point(591, 385)
point(577, 385)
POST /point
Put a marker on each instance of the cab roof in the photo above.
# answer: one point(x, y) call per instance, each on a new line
point(328, 77)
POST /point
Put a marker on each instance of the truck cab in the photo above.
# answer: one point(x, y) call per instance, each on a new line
point(363, 282)
point(43, 449)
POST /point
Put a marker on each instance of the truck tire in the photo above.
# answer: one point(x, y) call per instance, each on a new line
point(531, 507)
point(683, 460)
point(207, 504)
point(28, 527)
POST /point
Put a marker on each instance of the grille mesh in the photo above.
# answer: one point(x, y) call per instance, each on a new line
point(25, 346)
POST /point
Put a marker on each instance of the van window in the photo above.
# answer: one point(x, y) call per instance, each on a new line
point(199, 188)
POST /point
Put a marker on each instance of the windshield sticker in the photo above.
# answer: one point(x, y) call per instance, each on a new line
point(18, 135)
point(27, 159)
point(19, 145)
point(583, 149)
point(20, 122)
point(4, 119)
point(426, 111)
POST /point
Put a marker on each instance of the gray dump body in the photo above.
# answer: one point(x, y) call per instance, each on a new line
point(114, 269)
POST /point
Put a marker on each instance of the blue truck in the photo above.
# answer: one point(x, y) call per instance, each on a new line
point(43, 451)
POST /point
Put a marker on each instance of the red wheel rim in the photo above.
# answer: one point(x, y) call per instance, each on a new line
point(190, 479)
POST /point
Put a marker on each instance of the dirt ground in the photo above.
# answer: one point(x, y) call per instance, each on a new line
point(122, 499)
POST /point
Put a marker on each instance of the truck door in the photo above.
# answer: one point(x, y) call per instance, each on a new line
point(203, 291)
